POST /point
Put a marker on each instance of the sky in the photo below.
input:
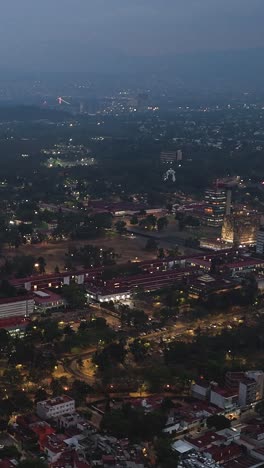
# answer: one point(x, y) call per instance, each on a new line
point(61, 34)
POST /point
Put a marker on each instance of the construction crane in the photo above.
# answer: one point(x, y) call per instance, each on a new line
point(62, 101)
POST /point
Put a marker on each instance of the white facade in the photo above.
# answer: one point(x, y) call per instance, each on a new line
point(114, 297)
point(247, 392)
point(258, 376)
point(260, 241)
point(200, 391)
point(55, 407)
point(222, 401)
point(16, 308)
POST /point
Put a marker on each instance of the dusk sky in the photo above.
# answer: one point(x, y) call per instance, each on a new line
point(39, 34)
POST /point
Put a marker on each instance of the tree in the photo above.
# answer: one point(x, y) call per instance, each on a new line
point(41, 264)
point(133, 423)
point(5, 340)
point(79, 390)
point(151, 244)
point(40, 395)
point(259, 408)
point(13, 376)
point(174, 252)
point(138, 349)
point(21, 401)
point(111, 355)
point(162, 223)
point(74, 295)
point(149, 222)
point(50, 330)
point(32, 463)
point(9, 451)
point(218, 422)
point(80, 362)
point(120, 227)
point(134, 317)
point(166, 456)
point(161, 253)
point(134, 220)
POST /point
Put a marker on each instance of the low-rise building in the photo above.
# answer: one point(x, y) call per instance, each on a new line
point(47, 300)
point(223, 398)
point(18, 306)
point(55, 407)
point(201, 390)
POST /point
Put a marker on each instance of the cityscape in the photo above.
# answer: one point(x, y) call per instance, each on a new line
point(132, 234)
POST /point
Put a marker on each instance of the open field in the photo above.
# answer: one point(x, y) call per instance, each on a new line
point(54, 252)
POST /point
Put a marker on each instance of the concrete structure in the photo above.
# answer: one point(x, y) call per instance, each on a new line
point(214, 212)
point(201, 390)
point(19, 306)
point(223, 398)
point(179, 155)
point(55, 407)
point(247, 392)
point(169, 157)
point(260, 241)
point(232, 380)
point(68, 420)
point(47, 300)
point(258, 376)
point(240, 229)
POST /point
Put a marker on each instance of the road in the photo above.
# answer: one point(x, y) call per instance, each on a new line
point(176, 330)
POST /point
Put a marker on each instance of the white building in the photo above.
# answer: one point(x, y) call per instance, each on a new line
point(224, 399)
point(19, 306)
point(247, 391)
point(260, 241)
point(201, 390)
point(47, 300)
point(55, 407)
point(258, 376)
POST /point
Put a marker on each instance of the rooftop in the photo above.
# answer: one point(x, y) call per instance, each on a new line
point(56, 401)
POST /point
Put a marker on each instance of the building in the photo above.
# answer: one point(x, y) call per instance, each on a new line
point(215, 207)
point(19, 306)
point(201, 390)
point(240, 229)
point(258, 376)
point(247, 391)
point(169, 157)
point(179, 155)
point(260, 241)
point(55, 407)
point(223, 398)
point(232, 379)
point(47, 300)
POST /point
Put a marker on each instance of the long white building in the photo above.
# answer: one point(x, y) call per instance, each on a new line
point(20, 306)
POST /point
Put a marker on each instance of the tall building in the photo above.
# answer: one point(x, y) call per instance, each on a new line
point(179, 155)
point(260, 241)
point(240, 229)
point(258, 376)
point(215, 200)
point(247, 392)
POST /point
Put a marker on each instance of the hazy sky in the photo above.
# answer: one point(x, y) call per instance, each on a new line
point(57, 33)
